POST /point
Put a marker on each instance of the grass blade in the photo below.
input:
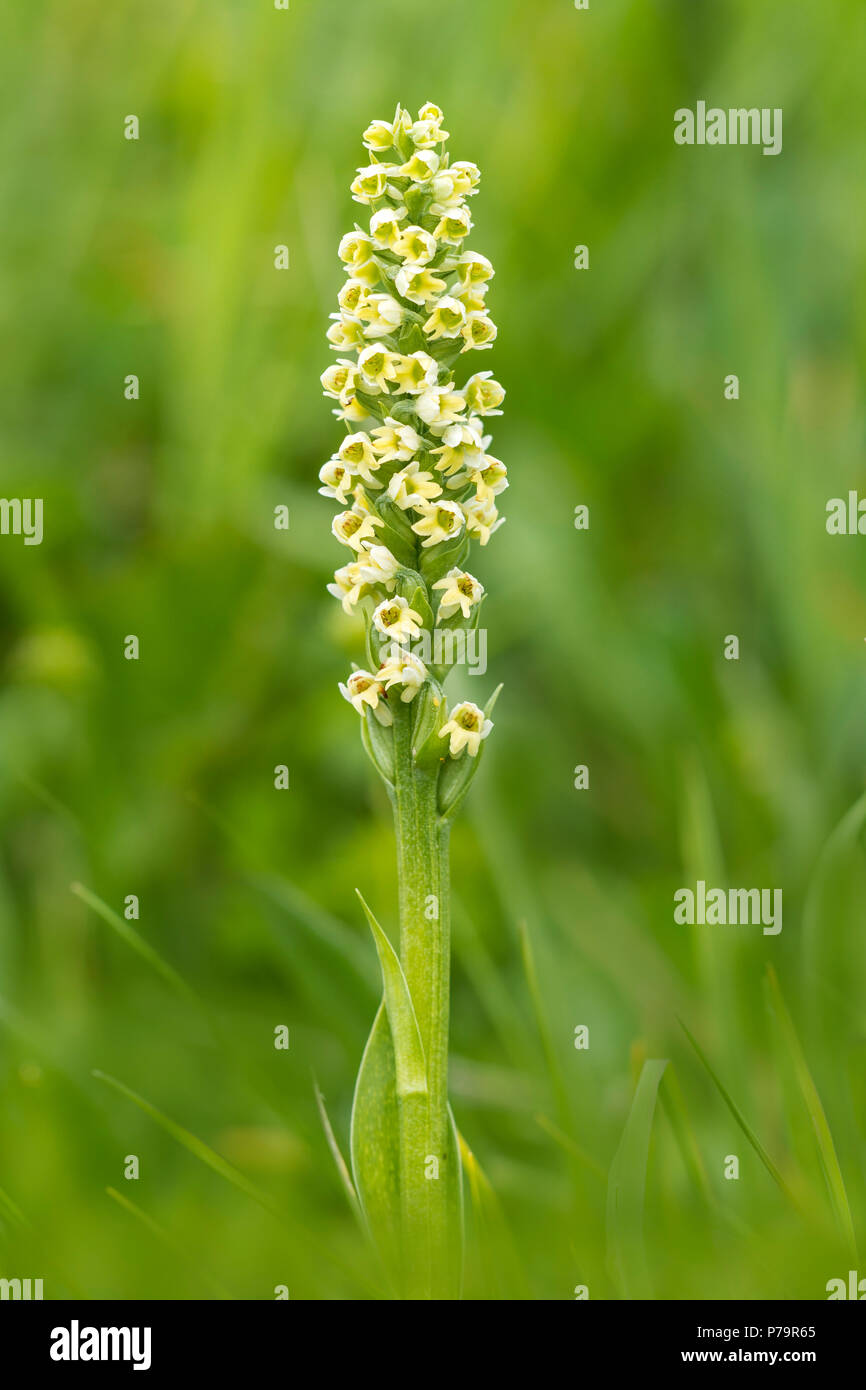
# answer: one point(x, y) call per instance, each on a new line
point(568, 1146)
point(194, 1145)
point(741, 1119)
point(336, 1153)
point(499, 1260)
point(165, 1239)
point(812, 1102)
point(11, 1213)
point(559, 1090)
point(674, 1106)
point(626, 1190)
point(138, 944)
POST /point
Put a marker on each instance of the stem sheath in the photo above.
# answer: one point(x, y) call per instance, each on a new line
point(422, 868)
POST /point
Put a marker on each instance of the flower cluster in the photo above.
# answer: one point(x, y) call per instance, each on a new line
point(413, 477)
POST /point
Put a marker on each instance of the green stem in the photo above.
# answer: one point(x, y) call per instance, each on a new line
point(422, 869)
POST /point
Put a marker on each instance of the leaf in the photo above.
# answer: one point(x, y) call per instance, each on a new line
point(410, 1065)
point(392, 1075)
point(436, 561)
point(815, 1110)
point(417, 1227)
point(430, 713)
point(378, 741)
point(410, 586)
point(626, 1189)
point(396, 532)
point(374, 1142)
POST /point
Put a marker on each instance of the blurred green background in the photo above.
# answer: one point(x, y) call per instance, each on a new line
point(155, 777)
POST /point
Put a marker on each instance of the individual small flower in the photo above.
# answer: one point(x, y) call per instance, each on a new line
point(457, 461)
point(466, 176)
point(462, 591)
point(372, 182)
point(354, 413)
point(338, 381)
point(337, 480)
point(411, 486)
point(441, 194)
point(473, 299)
point(454, 226)
point(418, 284)
point(355, 248)
point(482, 518)
point(382, 314)
point(473, 269)
point(416, 373)
point(374, 568)
point(406, 669)
point(352, 528)
point(433, 113)
point(385, 226)
point(394, 442)
point(379, 136)
point(447, 320)
point(377, 367)
point(345, 333)
point(356, 452)
point(362, 689)
point(378, 566)
point(483, 394)
point(402, 123)
point(352, 296)
point(468, 432)
point(427, 130)
point(415, 246)
point(465, 729)
point(440, 521)
point(490, 480)
point(440, 406)
point(421, 168)
point(444, 193)
point(368, 273)
point(478, 331)
point(347, 586)
point(394, 618)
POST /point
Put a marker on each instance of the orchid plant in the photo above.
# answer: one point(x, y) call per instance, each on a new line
point(415, 485)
